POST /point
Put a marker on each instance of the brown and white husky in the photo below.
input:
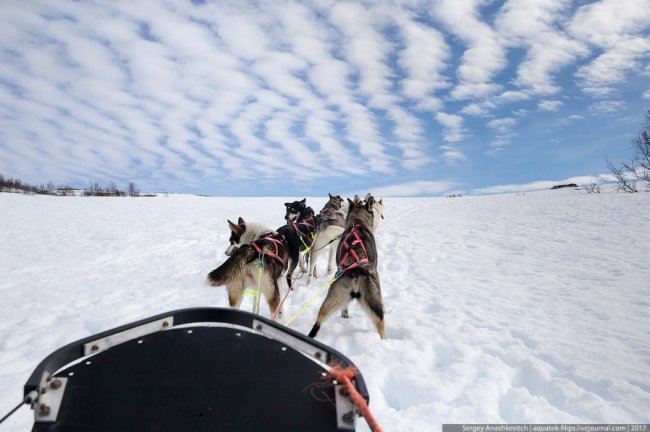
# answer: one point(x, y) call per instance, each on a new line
point(250, 242)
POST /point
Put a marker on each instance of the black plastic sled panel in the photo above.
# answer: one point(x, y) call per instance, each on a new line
point(193, 378)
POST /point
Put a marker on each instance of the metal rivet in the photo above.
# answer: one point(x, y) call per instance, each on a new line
point(94, 348)
point(43, 410)
point(55, 384)
point(348, 417)
point(258, 327)
point(317, 355)
point(165, 324)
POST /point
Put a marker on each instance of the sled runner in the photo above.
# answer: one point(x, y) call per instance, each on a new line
point(203, 369)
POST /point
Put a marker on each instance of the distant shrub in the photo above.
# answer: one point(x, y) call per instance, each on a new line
point(12, 185)
point(636, 172)
point(592, 187)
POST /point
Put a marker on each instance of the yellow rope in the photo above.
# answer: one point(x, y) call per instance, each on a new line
point(256, 294)
point(313, 299)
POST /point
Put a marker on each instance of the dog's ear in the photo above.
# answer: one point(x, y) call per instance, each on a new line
point(303, 202)
point(350, 203)
point(330, 195)
point(381, 201)
point(370, 202)
point(287, 205)
point(357, 200)
point(368, 196)
point(339, 197)
point(241, 222)
point(233, 227)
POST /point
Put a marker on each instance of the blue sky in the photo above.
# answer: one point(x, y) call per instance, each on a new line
point(270, 98)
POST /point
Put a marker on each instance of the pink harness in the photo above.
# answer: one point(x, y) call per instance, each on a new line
point(349, 244)
point(275, 242)
point(310, 225)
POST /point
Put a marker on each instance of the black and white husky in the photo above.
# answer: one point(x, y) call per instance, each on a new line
point(298, 234)
point(331, 224)
point(250, 242)
point(356, 258)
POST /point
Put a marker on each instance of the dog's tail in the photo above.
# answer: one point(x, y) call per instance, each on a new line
point(233, 268)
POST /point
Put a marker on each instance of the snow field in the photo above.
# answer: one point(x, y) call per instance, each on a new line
point(513, 308)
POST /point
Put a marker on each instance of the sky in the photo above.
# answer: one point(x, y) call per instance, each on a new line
point(286, 98)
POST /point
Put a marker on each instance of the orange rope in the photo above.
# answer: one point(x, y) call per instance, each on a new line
point(345, 377)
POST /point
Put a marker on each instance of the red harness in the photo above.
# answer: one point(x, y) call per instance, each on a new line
point(309, 225)
point(264, 240)
point(353, 247)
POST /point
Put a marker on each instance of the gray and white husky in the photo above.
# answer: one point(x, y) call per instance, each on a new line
point(331, 225)
point(356, 258)
point(248, 243)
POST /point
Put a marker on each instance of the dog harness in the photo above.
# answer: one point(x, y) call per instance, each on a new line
point(304, 228)
point(328, 212)
point(265, 240)
point(352, 246)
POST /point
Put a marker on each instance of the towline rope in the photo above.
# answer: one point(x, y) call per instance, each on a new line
point(279, 308)
point(314, 298)
point(345, 377)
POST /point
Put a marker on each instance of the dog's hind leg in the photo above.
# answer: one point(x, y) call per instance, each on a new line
point(235, 293)
point(338, 297)
point(271, 289)
point(293, 263)
point(370, 298)
point(334, 232)
point(330, 262)
point(312, 262)
point(303, 260)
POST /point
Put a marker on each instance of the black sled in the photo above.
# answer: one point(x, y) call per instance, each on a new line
point(204, 369)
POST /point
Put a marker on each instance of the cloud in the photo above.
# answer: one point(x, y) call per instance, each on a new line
point(535, 26)
point(549, 105)
point(423, 58)
point(611, 26)
point(484, 57)
point(416, 188)
point(570, 119)
point(453, 125)
point(607, 107)
point(503, 133)
point(226, 96)
point(453, 132)
point(646, 94)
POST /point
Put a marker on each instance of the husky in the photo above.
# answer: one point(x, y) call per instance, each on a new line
point(330, 225)
point(250, 243)
point(356, 258)
point(298, 234)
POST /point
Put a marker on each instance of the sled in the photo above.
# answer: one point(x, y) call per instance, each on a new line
point(201, 369)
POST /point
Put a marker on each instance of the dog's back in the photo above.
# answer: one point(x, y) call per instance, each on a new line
point(233, 270)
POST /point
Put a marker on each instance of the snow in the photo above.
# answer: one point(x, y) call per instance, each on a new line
point(509, 308)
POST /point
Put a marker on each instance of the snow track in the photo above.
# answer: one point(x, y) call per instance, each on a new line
point(515, 308)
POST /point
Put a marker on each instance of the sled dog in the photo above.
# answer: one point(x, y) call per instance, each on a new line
point(356, 258)
point(298, 234)
point(331, 224)
point(250, 242)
